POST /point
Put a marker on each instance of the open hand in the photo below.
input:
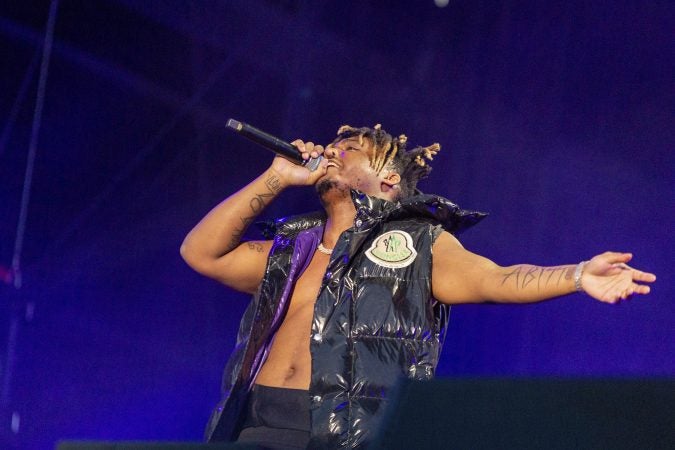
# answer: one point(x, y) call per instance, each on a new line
point(609, 279)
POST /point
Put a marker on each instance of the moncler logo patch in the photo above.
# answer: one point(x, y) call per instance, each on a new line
point(393, 249)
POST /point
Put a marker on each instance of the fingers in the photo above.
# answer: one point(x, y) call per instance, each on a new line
point(613, 263)
point(644, 277)
point(615, 295)
point(308, 149)
point(627, 294)
point(616, 257)
point(641, 289)
point(618, 282)
point(319, 172)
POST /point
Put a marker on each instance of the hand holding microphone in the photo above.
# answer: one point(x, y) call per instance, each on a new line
point(282, 148)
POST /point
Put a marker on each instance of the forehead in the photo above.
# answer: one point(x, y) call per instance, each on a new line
point(353, 141)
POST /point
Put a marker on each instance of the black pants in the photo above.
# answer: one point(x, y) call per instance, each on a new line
point(276, 418)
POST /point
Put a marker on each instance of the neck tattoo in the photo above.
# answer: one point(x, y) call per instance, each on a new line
point(324, 250)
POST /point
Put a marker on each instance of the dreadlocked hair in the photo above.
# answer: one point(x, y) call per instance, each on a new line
point(391, 153)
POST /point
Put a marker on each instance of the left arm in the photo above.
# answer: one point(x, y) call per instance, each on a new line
point(460, 276)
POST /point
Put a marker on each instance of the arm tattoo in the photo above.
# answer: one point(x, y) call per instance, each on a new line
point(523, 276)
point(257, 203)
point(257, 246)
point(273, 184)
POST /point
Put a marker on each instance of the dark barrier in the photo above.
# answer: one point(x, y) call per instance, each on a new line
point(506, 414)
point(529, 414)
point(83, 445)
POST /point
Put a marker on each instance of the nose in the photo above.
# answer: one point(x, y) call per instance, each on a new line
point(330, 152)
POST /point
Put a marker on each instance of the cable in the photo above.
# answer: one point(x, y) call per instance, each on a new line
point(23, 213)
point(18, 101)
point(32, 146)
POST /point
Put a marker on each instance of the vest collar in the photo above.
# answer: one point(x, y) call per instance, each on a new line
point(370, 210)
point(425, 206)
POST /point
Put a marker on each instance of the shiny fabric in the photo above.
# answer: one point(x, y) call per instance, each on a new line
point(372, 324)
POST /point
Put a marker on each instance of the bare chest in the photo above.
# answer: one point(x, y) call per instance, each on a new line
point(289, 360)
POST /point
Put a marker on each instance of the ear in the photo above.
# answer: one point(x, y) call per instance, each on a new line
point(390, 182)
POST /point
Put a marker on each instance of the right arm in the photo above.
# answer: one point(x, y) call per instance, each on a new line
point(213, 246)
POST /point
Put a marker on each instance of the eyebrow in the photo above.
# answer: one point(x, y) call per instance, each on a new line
point(351, 141)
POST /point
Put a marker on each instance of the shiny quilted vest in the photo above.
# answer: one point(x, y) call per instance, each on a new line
point(374, 320)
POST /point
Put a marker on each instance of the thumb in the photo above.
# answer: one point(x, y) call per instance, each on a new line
point(319, 172)
point(616, 257)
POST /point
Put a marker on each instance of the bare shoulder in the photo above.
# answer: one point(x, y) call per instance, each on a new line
point(457, 273)
point(446, 242)
point(449, 255)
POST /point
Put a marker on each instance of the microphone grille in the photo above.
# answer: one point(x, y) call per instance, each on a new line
point(234, 124)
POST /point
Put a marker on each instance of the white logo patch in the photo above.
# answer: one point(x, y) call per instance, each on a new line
point(393, 249)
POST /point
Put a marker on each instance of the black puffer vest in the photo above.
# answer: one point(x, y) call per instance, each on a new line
point(374, 320)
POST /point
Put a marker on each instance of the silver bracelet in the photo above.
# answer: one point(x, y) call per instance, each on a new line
point(577, 276)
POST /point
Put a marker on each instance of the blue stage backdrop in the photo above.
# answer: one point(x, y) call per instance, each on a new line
point(554, 117)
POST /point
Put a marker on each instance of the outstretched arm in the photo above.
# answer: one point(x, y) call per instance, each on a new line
point(213, 246)
point(460, 276)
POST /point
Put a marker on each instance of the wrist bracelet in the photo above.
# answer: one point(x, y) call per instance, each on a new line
point(578, 271)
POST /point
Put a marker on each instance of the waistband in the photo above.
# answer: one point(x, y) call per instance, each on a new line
point(276, 407)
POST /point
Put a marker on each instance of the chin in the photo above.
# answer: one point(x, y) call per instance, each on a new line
point(328, 188)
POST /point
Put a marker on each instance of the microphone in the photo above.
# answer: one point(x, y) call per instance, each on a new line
point(281, 148)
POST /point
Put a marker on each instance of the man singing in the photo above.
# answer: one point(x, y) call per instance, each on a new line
point(348, 300)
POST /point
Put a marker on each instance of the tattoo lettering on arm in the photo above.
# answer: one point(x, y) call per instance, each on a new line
point(257, 203)
point(256, 246)
point(273, 184)
point(515, 272)
point(529, 276)
point(239, 232)
point(543, 276)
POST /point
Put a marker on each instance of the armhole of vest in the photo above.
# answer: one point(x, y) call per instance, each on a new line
point(277, 247)
point(436, 231)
